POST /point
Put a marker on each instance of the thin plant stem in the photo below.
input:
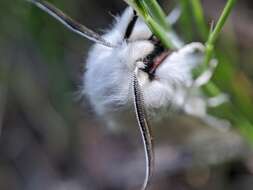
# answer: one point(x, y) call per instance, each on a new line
point(157, 13)
point(185, 20)
point(211, 89)
point(199, 18)
point(217, 30)
point(161, 32)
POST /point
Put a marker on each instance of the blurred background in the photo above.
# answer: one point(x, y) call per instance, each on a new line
point(51, 139)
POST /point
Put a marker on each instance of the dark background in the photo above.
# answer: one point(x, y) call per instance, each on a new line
point(50, 137)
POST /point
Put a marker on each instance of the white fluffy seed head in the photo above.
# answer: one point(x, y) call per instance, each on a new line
point(107, 80)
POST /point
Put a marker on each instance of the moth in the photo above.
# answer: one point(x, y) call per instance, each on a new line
point(128, 69)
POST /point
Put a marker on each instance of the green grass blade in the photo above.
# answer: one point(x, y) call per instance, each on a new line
point(157, 13)
point(199, 18)
point(217, 30)
point(161, 32)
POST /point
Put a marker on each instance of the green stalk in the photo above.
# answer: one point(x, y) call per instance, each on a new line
point(157, 13)
point(211, 88)
point(199, 18)
point(141, 7)
point(160, 33)
point(217, 30)
point(185, 20)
